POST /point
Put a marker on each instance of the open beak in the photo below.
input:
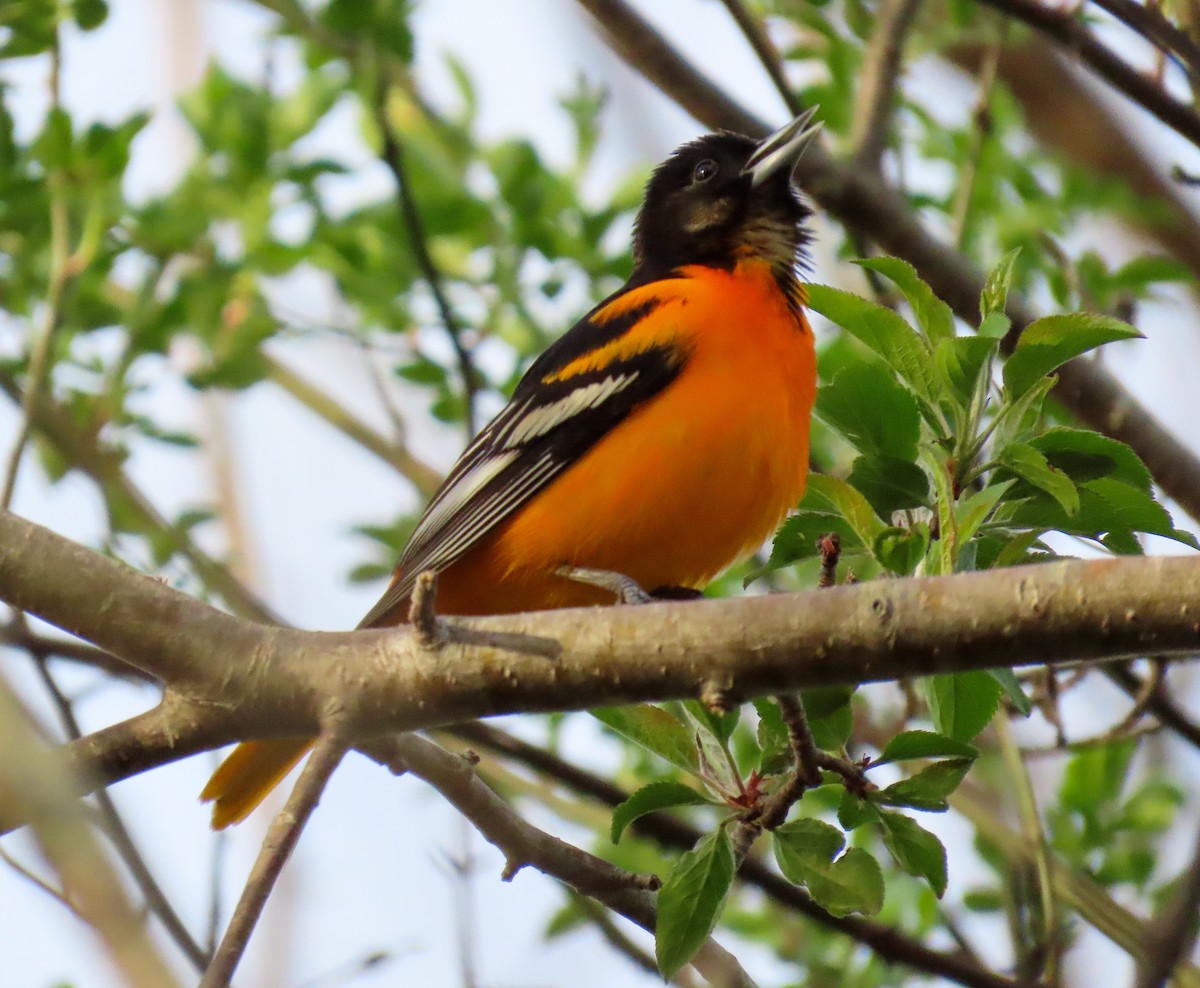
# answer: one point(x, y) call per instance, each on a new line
point(782, 149)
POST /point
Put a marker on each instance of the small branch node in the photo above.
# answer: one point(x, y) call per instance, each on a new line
point(829, 546)
point(511, 867)
point(717, 697)
point(422, 612)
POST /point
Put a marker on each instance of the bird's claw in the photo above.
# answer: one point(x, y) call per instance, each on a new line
point(626, 589)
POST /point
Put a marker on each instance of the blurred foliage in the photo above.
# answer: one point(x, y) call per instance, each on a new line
point(937, 455)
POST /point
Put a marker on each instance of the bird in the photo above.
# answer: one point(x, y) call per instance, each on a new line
point(662, 438)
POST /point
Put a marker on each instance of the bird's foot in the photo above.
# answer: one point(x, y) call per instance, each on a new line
point(626, 589)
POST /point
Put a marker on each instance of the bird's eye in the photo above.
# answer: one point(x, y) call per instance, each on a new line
point(704, 171)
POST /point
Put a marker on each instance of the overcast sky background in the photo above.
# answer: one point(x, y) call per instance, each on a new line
point(371, 871)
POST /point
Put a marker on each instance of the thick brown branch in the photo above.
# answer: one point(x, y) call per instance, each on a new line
point(235, 679)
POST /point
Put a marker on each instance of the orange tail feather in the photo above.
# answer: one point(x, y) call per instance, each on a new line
point(251, 771)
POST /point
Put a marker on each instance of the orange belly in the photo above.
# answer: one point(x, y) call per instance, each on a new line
point(691, 482)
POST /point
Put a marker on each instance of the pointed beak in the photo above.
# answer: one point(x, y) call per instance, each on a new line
point(782, 149)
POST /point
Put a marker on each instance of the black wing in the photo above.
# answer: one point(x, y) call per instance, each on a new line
point(544, 429)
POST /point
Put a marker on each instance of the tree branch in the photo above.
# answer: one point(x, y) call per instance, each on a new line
point(35, 787)
point(875, 102)
point(1065, 27)
point(277, 847)
point(410, 218)
point(1172, 930)
point(524, 845)
point(670, 831)
point(422, 476)
point(230, 679)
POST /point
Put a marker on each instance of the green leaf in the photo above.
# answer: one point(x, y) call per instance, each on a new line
point(924, 744)
point(1031, 465)
point(797, 537)
point(928, 789)
point(963, 703)
point(827, 493)
point(994, 326)
point(890, 484)
point(852, 884)
point(901, 550)
point(648, 799)
point(654, 729)
point(805, 845)
point(90, 14)
point(805, 850)
point(772, 736)
point(854, 812)
point(881, 330)
point(916, 850)
point(721, 726)
point(961, 361)
point(1110, 511)
point(1084, 455)
point(995, 289)
point(1096, 775)
point(829, 716)
point(690, 901)
point(867, 405)
point(933, 315)
point(973, 511)
point(1053, 340)
point(1012, 689)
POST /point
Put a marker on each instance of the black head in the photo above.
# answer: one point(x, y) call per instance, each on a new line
point(723, 198)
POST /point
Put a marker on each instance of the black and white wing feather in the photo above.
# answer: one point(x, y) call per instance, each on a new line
point(545, 428)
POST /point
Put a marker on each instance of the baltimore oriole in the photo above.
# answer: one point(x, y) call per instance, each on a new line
point(663, 437)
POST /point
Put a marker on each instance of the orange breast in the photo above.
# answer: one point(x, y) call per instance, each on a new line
point(691, 482)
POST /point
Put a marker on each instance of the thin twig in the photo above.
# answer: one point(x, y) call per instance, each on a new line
point(422, 476)
point(114, 827)
point(1148, 20)
point(878, 80)
point(1172, 930)
point(18, 635)
point(1095, 740)
point(280, 841)
point(524, 845)
point(38, 375)
point(35, 785)
point(598, 916)
point(1072, 34)
point(422, 610)
point(960, 209)
point(672, 832)
point(768, 55)
point(829, 547)
point(38, 882)
point(410, 217)
point(1047, 949)
point(1151, 686)
point(1158, 702)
